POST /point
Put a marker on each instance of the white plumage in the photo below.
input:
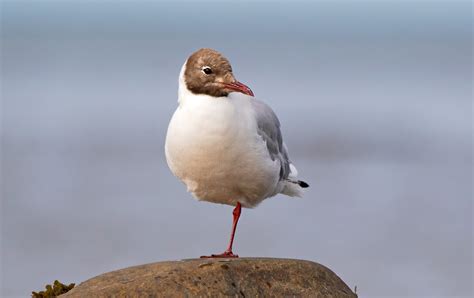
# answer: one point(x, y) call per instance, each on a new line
point(218, 146)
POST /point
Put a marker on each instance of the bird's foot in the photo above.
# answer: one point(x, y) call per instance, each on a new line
point(226, 254)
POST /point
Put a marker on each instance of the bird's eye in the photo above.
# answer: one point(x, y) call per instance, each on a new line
point(207, 70)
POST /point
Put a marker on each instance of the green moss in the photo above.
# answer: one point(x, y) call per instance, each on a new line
point(52, 291)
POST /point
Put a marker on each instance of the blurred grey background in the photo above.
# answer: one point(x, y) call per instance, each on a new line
point(375, 100)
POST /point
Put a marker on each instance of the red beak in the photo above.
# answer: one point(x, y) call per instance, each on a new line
point(239, 87)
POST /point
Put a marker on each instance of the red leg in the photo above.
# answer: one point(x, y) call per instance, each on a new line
point(228, 253)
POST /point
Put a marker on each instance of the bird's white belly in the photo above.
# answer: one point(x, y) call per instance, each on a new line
point(212, 145)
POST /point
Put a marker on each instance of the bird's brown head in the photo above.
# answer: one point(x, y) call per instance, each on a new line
point(208, 72)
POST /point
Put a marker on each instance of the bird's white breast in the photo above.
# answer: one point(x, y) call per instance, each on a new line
point(212, 145)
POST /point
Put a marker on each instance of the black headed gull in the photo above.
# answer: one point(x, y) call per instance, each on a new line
point(224, 144)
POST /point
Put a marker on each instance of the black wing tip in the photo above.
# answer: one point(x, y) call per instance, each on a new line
point(303, 184)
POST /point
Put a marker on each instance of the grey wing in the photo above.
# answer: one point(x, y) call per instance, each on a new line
point(268, 127)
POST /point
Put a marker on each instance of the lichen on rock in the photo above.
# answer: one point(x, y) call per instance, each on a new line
point(55, 290)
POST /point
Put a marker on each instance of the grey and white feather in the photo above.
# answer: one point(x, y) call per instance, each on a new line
point(269, 129)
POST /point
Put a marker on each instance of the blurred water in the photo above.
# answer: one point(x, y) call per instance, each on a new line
point(375, 99)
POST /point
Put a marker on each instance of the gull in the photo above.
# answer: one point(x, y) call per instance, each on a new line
point(224, 144)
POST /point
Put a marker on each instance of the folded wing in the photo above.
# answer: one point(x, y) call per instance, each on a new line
point(269, 129)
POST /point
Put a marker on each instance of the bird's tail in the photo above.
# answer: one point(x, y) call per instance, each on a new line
point(292, 186)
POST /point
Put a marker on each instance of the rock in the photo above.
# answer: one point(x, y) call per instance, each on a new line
point(243, 277)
